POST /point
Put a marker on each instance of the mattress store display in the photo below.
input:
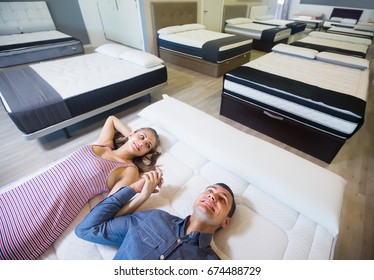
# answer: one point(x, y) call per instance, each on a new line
point(314, 106)
point(65, 91)
point(287, 207)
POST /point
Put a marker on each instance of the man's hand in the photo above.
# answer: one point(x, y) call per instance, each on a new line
point(149, 183)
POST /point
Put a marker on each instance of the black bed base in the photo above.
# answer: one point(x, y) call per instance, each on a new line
point(20, 57)
point(266, 46)
point(316, 143)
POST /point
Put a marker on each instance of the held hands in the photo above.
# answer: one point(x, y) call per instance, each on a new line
point(149, 183)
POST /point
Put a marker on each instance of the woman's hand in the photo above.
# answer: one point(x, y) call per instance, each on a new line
point(145, 186)
point(149, 183)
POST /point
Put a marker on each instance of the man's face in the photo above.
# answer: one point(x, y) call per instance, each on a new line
point(213, 206)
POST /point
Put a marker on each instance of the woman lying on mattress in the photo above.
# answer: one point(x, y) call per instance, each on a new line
point(34, 214)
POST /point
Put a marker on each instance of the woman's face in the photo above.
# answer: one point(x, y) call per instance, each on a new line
point(141, 142)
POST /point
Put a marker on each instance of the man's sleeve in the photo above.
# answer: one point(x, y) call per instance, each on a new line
point(99, 225)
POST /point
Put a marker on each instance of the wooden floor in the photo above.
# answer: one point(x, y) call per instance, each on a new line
point(355, 162)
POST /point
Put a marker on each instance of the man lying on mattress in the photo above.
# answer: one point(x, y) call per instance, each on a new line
point(156, 234)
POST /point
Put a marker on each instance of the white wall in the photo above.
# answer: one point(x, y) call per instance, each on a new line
point(92, 21)
point(326, 10)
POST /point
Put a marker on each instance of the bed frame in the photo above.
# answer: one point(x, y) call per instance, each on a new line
point(33, 16)
point(236, 11)
point(63, 126)
point(304, 138)
point(343, 13)
point(176, 13)
point(123, 93)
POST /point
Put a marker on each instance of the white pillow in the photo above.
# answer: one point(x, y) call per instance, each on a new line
point(238, 20)
point(192, 26)
point(343, 60)
point(310, 13)
point(8, 30)
point(295, 51)
point(336, 19)
point(266, 17)
point(349, 21)
point(112, 50)
point(170, 30)
point(305, 17)
point(141, 58)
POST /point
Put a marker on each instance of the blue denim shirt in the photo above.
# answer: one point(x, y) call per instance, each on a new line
point(148, 235)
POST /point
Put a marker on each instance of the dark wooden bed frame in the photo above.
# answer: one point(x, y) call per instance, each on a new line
point(177, 13)
point(304, 138)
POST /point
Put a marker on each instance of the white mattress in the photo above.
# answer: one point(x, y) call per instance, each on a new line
point(350, 31)
point(254, 30)
point(364, 26)
point(197, 38)
point(277, 22)
point(287, 207)
point(335, 44)
point(349, 81)
point(79, 74)
point(31, 37)
point(342, 79)
point(340, 38)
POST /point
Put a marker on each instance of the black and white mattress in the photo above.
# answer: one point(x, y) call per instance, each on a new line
point(39, 96)
point(196, 41)
point(267, 33)
point(343, 17)
point(351, 32)
point(325, 91)
point(26, 48)
point(296, 27)
point(336, 43)
point(28, 34)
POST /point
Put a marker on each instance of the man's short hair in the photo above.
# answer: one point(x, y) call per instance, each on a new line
point(233, 205)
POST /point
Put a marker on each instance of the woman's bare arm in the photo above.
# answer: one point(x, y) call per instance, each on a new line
point(111, 125)
point(145, 187)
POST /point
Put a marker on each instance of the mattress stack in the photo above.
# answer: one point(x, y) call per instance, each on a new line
point(314, 91)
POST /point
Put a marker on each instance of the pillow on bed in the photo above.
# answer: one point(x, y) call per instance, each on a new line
point(305, 17)
point(170, 30)
point(311, 14)
point(141, 58)
point(192, 26)
point(238, 20)
point(336, 19)
point(295, 51)
point(180, 28)
point(112, 50)
point(343, 60)
point(8, 30)
point(267, 17)
point(349, 21)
